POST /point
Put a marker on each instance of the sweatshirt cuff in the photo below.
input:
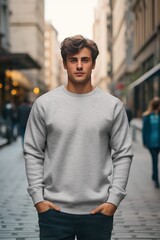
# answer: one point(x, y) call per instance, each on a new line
point(115, 199)
point(36, 196)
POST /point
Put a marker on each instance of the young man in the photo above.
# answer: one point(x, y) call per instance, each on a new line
point(75, 136)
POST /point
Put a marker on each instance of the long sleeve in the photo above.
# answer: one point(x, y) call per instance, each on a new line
point(67, 150)
point(120, 143)
point(34, 145)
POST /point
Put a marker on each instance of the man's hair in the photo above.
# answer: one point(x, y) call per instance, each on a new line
point(72, 45)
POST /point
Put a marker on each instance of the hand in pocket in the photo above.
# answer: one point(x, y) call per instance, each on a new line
point(45, 206)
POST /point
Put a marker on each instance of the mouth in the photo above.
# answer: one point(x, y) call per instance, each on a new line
point(79, 73)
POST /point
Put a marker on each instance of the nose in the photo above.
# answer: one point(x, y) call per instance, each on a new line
point(79, 66)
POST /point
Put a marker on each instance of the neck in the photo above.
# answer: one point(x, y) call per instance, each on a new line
point(79, 88)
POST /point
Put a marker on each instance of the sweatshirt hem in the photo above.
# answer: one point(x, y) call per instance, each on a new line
point(36, 197)
point(115, 200)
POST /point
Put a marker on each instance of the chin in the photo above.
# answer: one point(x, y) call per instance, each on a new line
point(80, 80)
point(77, 81)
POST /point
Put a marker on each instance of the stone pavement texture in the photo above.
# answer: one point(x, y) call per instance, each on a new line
point(138, 216)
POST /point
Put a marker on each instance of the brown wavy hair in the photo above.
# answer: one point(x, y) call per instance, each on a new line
point(154, 106)
point(72, 45)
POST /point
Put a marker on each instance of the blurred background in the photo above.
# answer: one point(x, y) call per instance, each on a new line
point(127, 33)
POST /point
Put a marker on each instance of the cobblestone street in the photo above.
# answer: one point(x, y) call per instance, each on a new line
point(138, 216)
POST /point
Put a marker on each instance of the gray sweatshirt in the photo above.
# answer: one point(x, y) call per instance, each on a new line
point(77, 150)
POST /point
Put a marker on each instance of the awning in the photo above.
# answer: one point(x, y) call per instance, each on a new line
point(151, 73)
point(17, 61)
point(19, 78)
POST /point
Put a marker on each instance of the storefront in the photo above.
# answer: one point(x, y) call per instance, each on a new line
point(141, 91)
point(14, 86)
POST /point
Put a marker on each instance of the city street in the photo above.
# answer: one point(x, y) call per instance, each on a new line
point(138, 216)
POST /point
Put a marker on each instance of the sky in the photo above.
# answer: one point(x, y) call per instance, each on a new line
point(71, 17)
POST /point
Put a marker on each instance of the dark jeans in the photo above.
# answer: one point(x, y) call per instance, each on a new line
point(154, 154)
point(56, 225)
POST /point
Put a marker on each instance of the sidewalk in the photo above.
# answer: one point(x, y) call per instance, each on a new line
point(3, 141)
point(18, 219)
point(138, 216)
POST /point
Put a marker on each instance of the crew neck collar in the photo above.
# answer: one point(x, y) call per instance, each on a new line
point(79, 94)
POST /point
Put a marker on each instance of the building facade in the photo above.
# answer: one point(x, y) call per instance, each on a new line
point(135, 52)
point(118, 39)
point(4, 42)
point(4, 26)
point(27, 35)
point(14, 86)
point(146, 75)
point(52, 57)
point(122, 46)
point(100, 34)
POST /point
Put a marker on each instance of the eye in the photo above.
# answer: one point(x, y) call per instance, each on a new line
point(85, 60)
point(73, 60)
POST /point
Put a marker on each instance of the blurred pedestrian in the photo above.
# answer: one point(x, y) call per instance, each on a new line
point(129, 114)
point(23, 114)
point(151, 135)
point(68, 141)
point(15, 121)
point(10, 115)
point(8, 111)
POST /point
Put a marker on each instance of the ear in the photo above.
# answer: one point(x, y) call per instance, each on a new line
point(64, 65)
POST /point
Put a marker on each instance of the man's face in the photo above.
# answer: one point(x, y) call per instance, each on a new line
point(79, 66)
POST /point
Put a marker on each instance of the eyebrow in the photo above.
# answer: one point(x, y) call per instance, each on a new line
point(77, 58)
point(72, 58)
